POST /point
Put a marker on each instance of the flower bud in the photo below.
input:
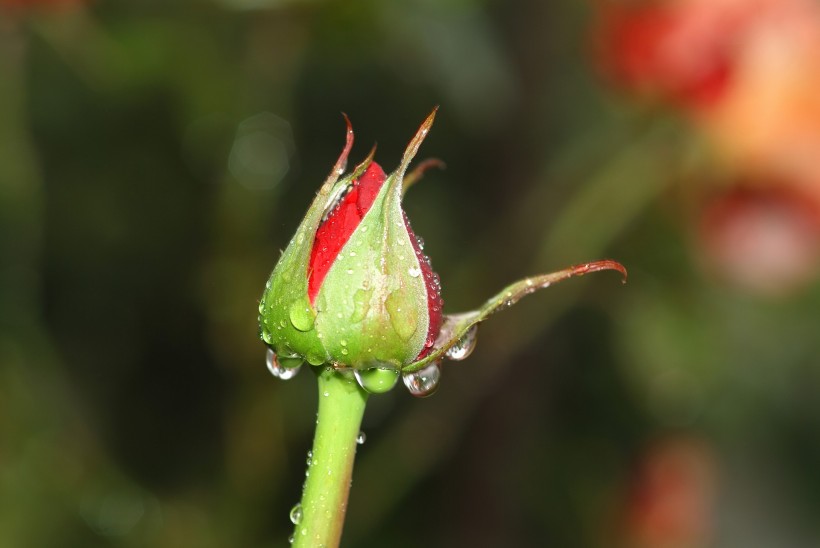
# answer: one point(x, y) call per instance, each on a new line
point(353, 288)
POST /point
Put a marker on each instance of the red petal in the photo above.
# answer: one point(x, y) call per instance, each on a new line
point(433, 285)
point(334, 232)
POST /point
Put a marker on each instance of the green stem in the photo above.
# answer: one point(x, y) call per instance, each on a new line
point(324, 499)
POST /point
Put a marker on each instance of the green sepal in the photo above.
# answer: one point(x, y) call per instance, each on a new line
point(375, 316)
point(286, 317)
point(373, 302)
point(457, 326)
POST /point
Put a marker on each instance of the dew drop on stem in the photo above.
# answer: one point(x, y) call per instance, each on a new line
point(465, 345)
point(424, 382)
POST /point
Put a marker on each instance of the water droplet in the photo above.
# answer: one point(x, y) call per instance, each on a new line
point(291, 539)
point(266, 336)
point(343, 342)
point(344, 351)
point(301, 315)
point(464, 347)
point(361, 438)
point(414, 272)
point(350, 271)
point(282, 368)
point(424, 382)
point(296, 514)
point(377, 380)
point(315, 359)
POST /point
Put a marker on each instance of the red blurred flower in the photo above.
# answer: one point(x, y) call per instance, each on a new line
point(679, 50)
point(673, 496)
point(762, 238)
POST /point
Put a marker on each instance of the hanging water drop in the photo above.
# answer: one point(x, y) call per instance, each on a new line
point(285, 368)
point(296, 514)
point(361, 438)
point(377, 380)
point(424, 382)
point(465, 345)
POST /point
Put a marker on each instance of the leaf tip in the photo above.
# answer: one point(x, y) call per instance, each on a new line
point(597, 266)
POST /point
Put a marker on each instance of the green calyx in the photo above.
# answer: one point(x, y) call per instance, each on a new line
point(371, 309)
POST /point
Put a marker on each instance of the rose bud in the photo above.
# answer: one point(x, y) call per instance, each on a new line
point(354, 290)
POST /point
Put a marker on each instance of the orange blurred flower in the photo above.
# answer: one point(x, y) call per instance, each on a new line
point(746, 74)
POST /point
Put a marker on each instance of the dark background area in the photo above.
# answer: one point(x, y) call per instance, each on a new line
point(155, 157)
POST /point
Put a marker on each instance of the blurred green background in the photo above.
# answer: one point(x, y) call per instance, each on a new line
point(156, 156)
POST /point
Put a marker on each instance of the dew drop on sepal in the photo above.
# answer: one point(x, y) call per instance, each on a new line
point(301, 316)
point(285, 368)
point(377, 380)
point(296, 514)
